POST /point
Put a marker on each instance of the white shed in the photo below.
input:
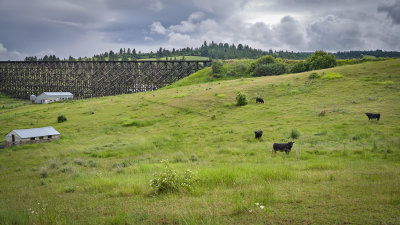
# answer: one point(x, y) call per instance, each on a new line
point(48, 97)
point(29, 136)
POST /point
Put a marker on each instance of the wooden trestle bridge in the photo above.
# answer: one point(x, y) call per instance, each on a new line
point(86, 79)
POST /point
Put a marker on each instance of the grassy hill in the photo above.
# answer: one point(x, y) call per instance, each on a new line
point(342, 168)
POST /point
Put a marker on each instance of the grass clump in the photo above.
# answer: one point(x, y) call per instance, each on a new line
point(387, 82)
point(180, 157)
point(322, 113)
point(138, 123)
point(78, 161)
point(70, 189)
point(43, 172)
point(65, 169)
point(169, 180)
point(241, 99)
point(194, 158)
point(121, 165)
point(92, 163)
point(314, 75)
point(294, 134)
point(61, 118)
point(53, 164)
point(331, 76)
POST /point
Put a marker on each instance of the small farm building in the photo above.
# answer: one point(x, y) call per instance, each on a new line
point(48, 97)
point(29, 136)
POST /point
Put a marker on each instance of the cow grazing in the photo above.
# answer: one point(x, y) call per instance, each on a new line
point(372, 116)
point(258, 134)
point(283, 147)
point(259, 100)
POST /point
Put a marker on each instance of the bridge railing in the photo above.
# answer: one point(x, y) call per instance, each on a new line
point(86, 79)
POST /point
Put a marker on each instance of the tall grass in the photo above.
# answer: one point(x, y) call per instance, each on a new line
point(99, 171)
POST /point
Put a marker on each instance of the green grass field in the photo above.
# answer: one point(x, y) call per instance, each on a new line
point(343, 169)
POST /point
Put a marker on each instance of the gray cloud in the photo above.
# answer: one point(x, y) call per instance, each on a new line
point(392, 10)
point(333, 33)
point(84, 28)
point(290, 33)
point(5, 54)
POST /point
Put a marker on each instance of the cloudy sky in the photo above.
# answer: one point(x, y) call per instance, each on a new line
point(87, 27)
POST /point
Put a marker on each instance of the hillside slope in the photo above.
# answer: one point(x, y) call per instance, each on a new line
point(342, 168)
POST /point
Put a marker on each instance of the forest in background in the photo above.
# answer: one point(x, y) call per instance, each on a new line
point(213, 51)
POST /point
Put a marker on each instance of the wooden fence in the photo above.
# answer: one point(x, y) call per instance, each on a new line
point(86, 79)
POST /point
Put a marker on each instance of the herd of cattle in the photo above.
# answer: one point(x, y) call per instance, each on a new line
point(287, 147)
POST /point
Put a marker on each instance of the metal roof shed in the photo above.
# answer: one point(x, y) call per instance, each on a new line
point(34, 135)
point(48, 97)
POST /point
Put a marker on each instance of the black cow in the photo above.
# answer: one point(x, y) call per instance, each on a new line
point(372, 116)
point(259, 100)
point(283, 147)
point(258, 133)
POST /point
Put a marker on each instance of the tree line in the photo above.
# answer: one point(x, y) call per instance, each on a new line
point(213, 50)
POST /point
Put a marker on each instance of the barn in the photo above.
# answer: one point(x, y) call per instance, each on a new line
point(29, 136)
point(48, 97)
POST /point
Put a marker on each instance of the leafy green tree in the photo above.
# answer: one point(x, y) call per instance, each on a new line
point(321, 60)
point(216, 66)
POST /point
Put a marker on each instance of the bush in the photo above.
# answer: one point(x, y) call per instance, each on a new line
point(313, 76)
point(299, 67)
point(294, 134)
point(321, 60)
point(170, 181)
point(269, 69)
point(260, 61)
point(241, 99)
point(61, 118)
point(265, 59)
point(217, 66)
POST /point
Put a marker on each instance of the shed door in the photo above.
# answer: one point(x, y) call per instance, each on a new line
point(13, 138)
